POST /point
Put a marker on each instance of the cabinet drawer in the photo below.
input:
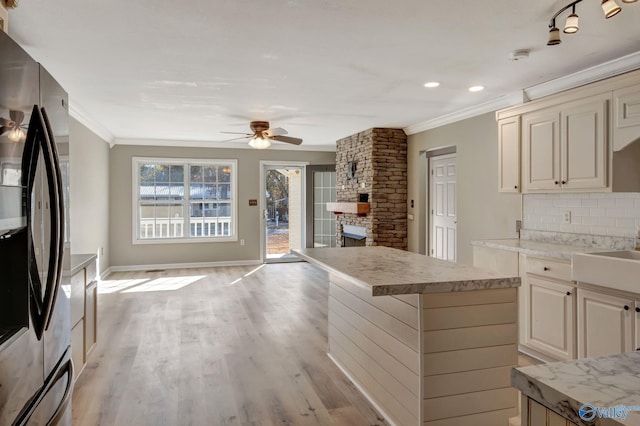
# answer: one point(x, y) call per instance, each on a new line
point(77, 297)
point(91, 272)
point(549, 268)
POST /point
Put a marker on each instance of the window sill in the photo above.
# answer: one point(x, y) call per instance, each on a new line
point(186, 240)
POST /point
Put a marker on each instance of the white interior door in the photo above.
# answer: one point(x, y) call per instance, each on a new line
point(442, 190)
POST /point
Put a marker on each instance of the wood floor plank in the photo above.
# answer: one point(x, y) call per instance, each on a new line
point(219, 346)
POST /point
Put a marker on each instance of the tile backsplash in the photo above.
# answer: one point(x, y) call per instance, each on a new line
point(612, 214)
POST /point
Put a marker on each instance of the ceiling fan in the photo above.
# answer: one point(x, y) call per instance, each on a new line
point(262, 135)
point(13, 125)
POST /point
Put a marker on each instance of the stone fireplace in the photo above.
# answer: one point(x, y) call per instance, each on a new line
point(374, 162)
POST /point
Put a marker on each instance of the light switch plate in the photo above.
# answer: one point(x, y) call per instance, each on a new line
point(566, 216)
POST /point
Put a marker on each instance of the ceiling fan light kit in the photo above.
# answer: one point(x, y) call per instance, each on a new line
point(260, 142)
point(609, 7)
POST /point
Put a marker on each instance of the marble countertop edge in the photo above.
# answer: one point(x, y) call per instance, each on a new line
point(436, 285)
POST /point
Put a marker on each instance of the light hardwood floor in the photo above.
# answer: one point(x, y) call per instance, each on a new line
point(219, 346)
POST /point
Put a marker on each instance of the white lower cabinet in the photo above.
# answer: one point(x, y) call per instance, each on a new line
point(550, 317)
point(605, 323)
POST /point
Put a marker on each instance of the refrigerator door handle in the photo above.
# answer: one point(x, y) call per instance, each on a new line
point(68, 390)
point(53, 263)
point(57, 206)
point(67, 370)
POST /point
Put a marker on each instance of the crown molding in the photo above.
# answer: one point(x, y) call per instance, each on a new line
point(483, 108)
point(589, 75)
point(224, 145)
point(79, 114)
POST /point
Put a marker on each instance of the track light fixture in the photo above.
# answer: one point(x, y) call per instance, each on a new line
point(609, 7)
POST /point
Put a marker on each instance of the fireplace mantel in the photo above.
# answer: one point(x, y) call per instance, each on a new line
point(344, 207)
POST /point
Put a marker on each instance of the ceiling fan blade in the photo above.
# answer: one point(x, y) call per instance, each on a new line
point(287, 139)
point(16, 116)
point(4, 129)
point(6, 122)
point(238, 133)
point(234, 139)
point(278, 131)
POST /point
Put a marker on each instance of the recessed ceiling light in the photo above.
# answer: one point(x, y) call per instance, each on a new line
point(476, 88)
point(432, 84)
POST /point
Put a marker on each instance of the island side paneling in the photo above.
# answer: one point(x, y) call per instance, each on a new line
point(376, 341)
point(469, 346)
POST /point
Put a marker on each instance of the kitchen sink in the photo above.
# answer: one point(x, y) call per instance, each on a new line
point(613, 269)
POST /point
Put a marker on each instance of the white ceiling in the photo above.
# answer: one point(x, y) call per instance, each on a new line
point(322, 69)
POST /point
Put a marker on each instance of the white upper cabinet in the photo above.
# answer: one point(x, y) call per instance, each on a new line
point(584, 143)
point(585, 139)
point(626, 115)
point(541, 157)
point(566, 148)
point(509, 154)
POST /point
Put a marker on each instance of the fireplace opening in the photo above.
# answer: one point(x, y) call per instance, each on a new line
point(354, 236)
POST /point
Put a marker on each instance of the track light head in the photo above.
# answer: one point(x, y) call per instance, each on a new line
point(610, 8)
point(629, 1)
point(554, 36)
point(571, 26)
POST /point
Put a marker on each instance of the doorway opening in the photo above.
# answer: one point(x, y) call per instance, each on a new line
point(283, 212)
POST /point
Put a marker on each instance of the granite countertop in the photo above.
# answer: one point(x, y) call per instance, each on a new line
point(535, 248)
point(564, 387)
point(389, 271)
point(79, 261)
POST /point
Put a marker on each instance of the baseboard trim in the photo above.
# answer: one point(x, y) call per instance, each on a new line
point(134, 268)
point(362, 391)
point(104, 274)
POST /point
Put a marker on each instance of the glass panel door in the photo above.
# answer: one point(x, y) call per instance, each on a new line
point(324, 222)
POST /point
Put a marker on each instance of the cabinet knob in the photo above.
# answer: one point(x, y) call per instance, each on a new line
point(564, 182)
point(568, 293)
point(557, 183)
point(626, 308)
point(637, 309)
point(546, 268)
point(515, 187)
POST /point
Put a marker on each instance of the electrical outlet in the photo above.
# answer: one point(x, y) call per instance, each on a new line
point(566, 216)
point(241, 242)
point(362, 185)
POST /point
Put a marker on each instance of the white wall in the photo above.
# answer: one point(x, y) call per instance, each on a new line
point(612, 214)
point(125, 254)
point(483, 212)
point(89, 183)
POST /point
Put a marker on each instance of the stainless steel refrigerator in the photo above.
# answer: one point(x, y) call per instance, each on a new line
point(36, 372)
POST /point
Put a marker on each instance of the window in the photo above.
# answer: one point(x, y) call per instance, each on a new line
point(184, 200)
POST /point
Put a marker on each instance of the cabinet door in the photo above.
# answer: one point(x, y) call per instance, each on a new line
point(509, 154)
point(636, 342)
point(550, 317)
point(541, 142)
point(626, 115)
point(584, 143)
point(604, 324)
point(91, 321)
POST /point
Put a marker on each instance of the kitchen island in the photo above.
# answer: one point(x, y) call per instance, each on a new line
point(426, 341)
